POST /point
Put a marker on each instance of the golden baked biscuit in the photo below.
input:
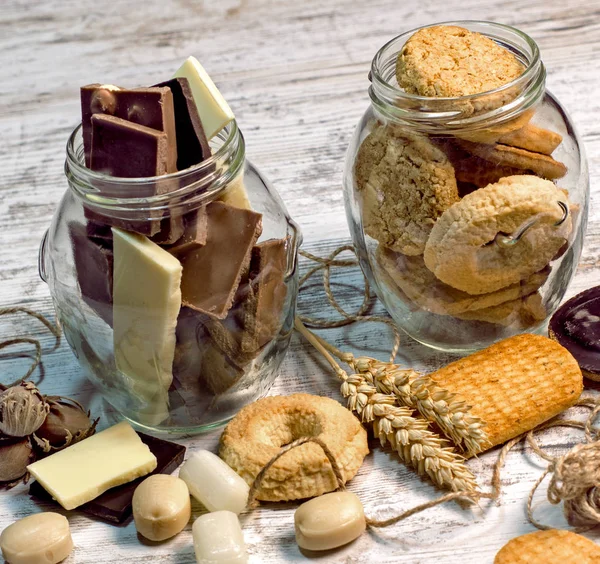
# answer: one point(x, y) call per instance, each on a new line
point(514, 385)
point(450, 61)
point(505, 155)
point(406, 183)
point(421, 286)
point(521, 313)
point(533, 138)
point(462, 252)
point(549, 547)
point(260, 429)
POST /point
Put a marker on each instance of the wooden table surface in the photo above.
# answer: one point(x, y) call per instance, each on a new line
point(295, 74)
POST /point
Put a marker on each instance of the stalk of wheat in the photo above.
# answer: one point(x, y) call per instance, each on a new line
point(410, 437)
point(433, 403)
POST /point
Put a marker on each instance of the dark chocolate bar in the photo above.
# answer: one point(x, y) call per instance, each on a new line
point(94, 266)
point(192, 145)
point(212, 273)
point(150, 107)
point(128, 150)
point(114, 505)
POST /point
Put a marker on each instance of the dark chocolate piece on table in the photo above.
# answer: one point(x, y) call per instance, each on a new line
point(576, 326)
point(94, 267)
point(114, 505)
point(192, 145)
point(195, 225)
point(212, 273)
point(128, 150)
point(151, 107)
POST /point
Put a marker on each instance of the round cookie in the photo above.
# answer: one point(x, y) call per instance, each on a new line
point(420, 285)
point(576, 326)
point(549, 547)
point(450, 61)
point(406, 183)
point(260, 429)
point(461, 250)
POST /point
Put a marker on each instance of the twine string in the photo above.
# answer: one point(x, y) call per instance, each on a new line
point(37, 359)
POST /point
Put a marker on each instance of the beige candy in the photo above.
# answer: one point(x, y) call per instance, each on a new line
point(218, 539)
point(329, 521)
point(461, 250)
point(161, 507)
point(42, 538)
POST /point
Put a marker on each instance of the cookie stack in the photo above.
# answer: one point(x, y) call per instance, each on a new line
point(468, 220)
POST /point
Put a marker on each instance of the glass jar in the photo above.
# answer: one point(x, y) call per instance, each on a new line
point(176, 293)
point(457, 263)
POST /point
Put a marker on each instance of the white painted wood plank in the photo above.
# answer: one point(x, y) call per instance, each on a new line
point(295, 74)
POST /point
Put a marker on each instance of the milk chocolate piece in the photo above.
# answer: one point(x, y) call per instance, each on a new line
point(212, 273)
point(94, 267)
point(255, 316)
point(576, 326)
point(128, 150)
point(151, 107)
point(194, 234)
point(171, 230)
point(114, 505)
point(192, 145)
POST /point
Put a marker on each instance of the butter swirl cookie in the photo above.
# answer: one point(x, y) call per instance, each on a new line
point(462, 251)
point(406, 183)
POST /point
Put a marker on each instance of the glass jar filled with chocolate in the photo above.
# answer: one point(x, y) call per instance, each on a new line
point(171, 260)
point(466, 186)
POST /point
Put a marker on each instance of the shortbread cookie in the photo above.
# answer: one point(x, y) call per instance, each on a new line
point(260, 429)
point(493, 133)
point(521, 313)
point(514, 385)
point(533, 138)
point(504, 155)
point(421, 286)
point(405, 183)
point(450, 61)
point(549, 547)
point(462, 251)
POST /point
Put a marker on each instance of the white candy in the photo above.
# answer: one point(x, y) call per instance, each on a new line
point(213, 483)
point(218, 539)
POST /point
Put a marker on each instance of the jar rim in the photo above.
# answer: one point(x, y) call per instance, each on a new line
point(530, 83)
point(75, 165)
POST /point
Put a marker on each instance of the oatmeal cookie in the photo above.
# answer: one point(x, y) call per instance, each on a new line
point(450, 61)
point(461, 250)
point(406, 183)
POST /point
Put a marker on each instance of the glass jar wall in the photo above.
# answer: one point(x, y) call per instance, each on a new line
point(176, 293)
point(468, 213)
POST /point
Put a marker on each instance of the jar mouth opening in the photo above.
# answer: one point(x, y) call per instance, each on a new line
point(227, 138)
point(528, 85)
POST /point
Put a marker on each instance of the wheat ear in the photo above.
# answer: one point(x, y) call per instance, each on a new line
point(433, 403)
point(410, 437)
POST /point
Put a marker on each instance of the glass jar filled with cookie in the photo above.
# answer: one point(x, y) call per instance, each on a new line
point(170, 260)
point(466, 186)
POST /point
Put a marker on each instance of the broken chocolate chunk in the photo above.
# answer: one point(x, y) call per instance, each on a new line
point(150, 107)
point(94, 267)
point(212, 273)
point(194, 233)
point(128, 150)
point(192, 145)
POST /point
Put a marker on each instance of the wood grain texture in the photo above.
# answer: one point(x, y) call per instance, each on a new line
point(295, 74)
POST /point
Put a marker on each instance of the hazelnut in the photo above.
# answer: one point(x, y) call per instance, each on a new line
point(67, 422)
point(22, 410)
point(15, 456)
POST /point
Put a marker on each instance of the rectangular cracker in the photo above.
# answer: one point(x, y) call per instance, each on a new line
point(515, 384)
